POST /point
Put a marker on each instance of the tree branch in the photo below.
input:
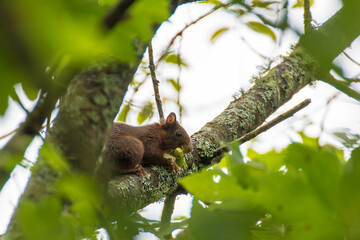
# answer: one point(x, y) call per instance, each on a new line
point(155, 82)
point(341, 86)
point(267, 126)
point(168, 210)
point(333, 37)
point(307, 17)
point(116, 14)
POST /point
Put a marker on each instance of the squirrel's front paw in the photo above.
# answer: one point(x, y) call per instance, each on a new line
point(175, 168)
point(140, 171)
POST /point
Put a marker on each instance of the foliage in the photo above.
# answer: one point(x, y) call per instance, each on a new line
point(306, 191)
point(40, 39)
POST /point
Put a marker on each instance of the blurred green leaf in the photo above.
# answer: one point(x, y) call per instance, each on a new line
point(174, 59)
point(262, 29)
point(31, 92)
point(124, 113)
point(213, 223)
point(273, 159)
point(296, 202)
point(146, 112)
point(263, 4)
point(79, 187)
point(84, 195)
point(174, 83)
point(349, 195)
point(300, 4)
point(321, 167)
point(54, 157)
point(212, 185)
point(6, 89)
point(144, 14)
point(39, 33)
point(312, 142)
point(43, 220)
point(218, 33)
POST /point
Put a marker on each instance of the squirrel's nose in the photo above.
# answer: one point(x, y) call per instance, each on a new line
point(189, 147)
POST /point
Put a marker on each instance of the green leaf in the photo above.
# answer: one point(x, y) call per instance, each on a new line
point(321, 167)
point(31, 92)
point(297, 203)
point(300, 4)
point(213, 185)
point(6, 89)
point(174, 59)
point(54, 157)
point(213, 223)
point(262, 29)
point(273, 160)
point(263, 4)
point(144, 14)
point(43, 220)
point(174, 83)
point(146, 112)
point(124, 113)
point(312, 142)
point(218, 33)
point(349, 195)
point(84, 195)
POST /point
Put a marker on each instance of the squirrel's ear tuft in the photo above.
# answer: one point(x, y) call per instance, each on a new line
point(171, 119)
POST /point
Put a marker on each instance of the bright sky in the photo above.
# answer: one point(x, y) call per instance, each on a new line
point(216, 72)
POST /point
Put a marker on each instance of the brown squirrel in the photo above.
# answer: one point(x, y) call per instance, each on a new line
point(128, 146)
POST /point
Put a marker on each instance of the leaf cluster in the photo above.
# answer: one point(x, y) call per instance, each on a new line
point(40, 39)
point(303, 192)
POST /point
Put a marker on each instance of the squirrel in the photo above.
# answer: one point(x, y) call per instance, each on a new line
point(129, 146)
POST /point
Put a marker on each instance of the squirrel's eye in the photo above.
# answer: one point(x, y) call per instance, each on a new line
point(178, 134)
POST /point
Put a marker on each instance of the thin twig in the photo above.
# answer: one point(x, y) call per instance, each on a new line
point(155, 82)
point(327, 108)
point(342, 86)
point(187, 26)
point(268, 125)
point(8, 134)
point(307, 17)
point(253, 49)
point(351, 59)
point(15, 130)
point(178, 82)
